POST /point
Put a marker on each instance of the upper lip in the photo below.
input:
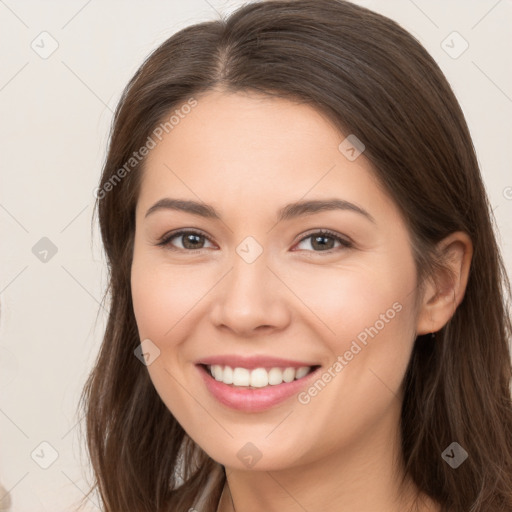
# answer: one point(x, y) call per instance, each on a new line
point(252, 362)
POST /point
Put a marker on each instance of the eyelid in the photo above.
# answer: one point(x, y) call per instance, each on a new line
point(344, 240)
point(165, 239)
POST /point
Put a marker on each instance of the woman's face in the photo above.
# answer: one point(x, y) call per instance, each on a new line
point(255, 282)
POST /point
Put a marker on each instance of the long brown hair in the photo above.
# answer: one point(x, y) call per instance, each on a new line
point(374, 80)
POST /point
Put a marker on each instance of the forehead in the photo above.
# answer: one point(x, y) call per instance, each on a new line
point(234, 125)
point(254, 150)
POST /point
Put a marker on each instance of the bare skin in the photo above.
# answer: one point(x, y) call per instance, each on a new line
point(248, 156)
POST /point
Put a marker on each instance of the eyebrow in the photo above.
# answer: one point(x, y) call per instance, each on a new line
point(290, 211)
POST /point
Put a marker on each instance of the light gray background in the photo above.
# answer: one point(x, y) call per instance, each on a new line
point(56, 113)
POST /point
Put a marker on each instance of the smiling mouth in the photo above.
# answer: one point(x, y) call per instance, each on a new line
point(257, 378)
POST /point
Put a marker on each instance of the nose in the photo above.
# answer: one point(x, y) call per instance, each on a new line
point(251, 299)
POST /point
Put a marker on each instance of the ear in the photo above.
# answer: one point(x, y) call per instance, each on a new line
point(444, 292)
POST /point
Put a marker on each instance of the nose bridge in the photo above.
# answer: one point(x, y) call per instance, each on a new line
point(248, 280)
point(249, 295)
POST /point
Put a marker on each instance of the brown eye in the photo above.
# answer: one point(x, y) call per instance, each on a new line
point(190, 240)
point(323, 241)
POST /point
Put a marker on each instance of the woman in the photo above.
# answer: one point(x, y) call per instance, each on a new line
point(307, 297)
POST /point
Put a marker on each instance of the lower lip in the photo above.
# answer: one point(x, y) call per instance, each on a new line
point(253, 400)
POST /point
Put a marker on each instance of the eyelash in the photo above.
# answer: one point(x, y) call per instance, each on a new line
point(166, 239)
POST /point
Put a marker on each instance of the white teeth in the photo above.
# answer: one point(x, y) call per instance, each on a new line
point(289, 374)
point(258, 377)
point(227, 375)
point(241, 377)
point(217, 372)
point(302, 372)
point(275, 376)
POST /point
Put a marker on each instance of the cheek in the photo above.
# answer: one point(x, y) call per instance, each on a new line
point(347, 301)
point(366, 315)
point(372, 318)
point(148, 303)
point(163, 295)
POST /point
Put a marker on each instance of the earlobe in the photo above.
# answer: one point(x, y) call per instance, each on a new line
point(445, 291)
